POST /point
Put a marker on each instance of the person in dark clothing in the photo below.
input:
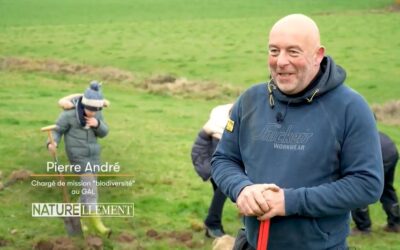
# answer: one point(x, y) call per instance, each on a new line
point(301, 150)
point(202, 151)
point(389, 200)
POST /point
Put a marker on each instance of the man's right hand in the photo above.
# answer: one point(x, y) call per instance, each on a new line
point(251, 201)
point(52, 147)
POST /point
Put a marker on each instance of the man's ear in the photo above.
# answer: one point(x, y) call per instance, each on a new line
point(319, 55)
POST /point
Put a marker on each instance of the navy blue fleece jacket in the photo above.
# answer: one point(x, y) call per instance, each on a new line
point(321, 147)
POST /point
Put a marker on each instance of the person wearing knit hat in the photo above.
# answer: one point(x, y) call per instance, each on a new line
point(89, 96)
point(92, 98)
point(81, 127)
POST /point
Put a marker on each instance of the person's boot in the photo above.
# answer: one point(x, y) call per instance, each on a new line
point(356, 231)
point(93, 224)
point(99, 226)
point(214, 232)
point(392, 228)
point(85, 228)
point(393, 218)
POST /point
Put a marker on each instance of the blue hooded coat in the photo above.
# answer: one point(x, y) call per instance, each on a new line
point(321, 147)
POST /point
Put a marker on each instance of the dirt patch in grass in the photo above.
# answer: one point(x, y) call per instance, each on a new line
point(166, 84)
point(43, 245)
point(180, 86)
point(175, 238)
point(62, 243)
point(17, 175)
point(3, 242)
point(388, 112)
point(65, 243)
point(94, 243)
point(20, 175)
point(152, 234)
point(59, 67)
point(125, 238)
point(395, 7)
point(183, 236)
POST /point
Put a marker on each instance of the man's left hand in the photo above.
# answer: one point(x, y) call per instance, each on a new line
point(276, 202)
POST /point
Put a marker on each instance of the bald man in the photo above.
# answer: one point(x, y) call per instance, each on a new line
point(302, 149)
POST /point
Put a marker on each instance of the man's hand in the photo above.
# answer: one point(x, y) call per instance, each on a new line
point(276, 202)
point(52, 147)
point(92, 122)
point(251, 201)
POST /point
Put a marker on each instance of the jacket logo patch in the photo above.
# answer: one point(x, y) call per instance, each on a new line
point(284, 138)
point(229, 125)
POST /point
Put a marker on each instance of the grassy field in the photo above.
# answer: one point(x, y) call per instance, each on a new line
point(223, 42)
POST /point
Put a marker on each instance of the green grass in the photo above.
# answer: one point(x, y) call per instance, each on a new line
point(220, 40)
point(151, 135)
point(47, 12)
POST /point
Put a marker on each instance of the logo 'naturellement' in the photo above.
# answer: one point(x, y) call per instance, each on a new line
point(82, 210)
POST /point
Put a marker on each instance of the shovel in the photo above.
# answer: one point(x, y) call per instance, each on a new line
point(72, 224)
point(263, 235)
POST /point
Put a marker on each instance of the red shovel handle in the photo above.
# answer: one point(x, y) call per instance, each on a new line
point(263, 235)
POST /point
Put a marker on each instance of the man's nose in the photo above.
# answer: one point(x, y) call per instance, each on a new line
point(282, 59)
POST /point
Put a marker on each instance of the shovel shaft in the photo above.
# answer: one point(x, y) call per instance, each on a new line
point(50, 135)
point(263, 235)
